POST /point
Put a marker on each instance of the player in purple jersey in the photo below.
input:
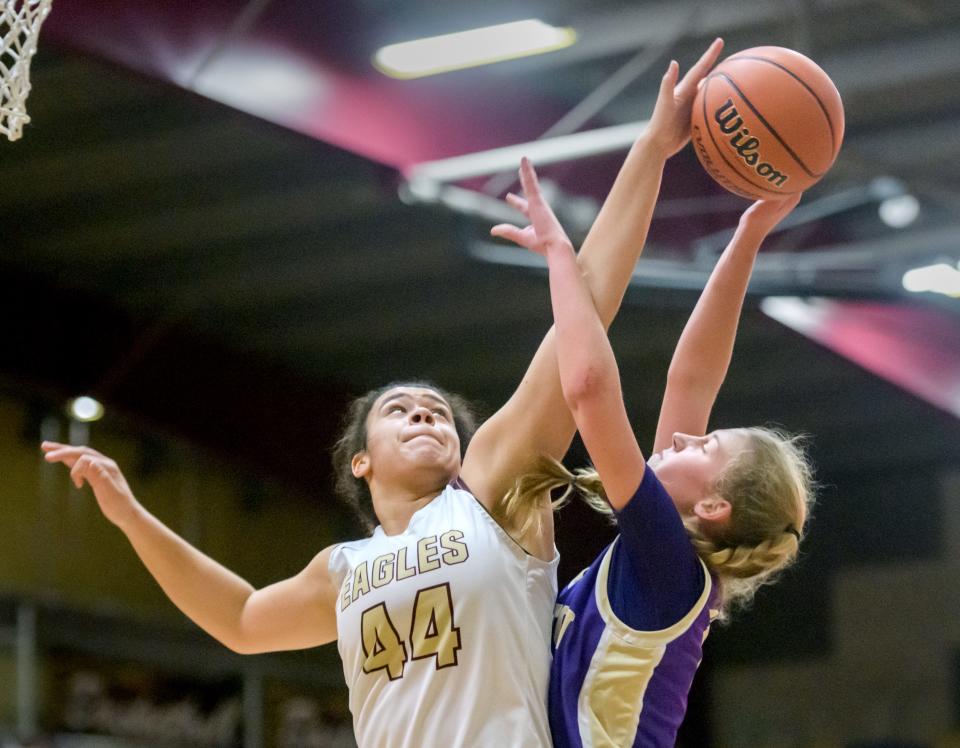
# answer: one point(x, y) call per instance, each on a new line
point(715, 515)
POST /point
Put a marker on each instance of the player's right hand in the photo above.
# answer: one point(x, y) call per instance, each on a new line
point(763, 216)
point(544, 232)
point(86, 465)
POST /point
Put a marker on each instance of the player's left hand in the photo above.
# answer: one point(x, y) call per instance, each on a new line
point(544, 234)
point(669, 125)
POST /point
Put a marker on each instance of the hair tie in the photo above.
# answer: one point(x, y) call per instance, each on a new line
point(793, 531)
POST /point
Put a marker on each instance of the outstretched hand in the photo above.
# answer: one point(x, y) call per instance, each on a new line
point(89, 466)
point(544, 232)
point(764, 215)
point(670, 122)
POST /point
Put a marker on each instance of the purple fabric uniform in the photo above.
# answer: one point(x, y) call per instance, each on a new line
point(629, 631)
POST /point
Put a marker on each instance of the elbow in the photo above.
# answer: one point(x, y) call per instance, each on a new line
point(677, 374)
point(240, 637)
point(242, 647)
point(685, 378)
point(587, 384)
point(237, 645)
point(691, 382)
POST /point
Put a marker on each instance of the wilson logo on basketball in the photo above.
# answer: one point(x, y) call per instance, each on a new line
point(747, 146)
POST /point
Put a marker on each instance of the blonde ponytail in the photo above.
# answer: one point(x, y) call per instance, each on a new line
point(519, 511)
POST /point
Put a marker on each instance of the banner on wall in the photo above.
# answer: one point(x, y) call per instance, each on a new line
point(89, 700)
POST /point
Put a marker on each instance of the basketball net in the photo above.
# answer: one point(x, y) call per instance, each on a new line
point(20, 22)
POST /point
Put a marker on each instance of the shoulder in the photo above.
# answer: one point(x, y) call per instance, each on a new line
point(649, 487)
point(649, 508)
point(664, 611)
point(336, 560)
point(321, 563)
point(533, 538)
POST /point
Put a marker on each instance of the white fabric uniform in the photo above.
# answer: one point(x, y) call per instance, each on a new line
point(444, 632)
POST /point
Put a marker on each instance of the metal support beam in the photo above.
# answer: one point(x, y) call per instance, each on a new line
point(252, 706)
point(26, 659)
point(542, 152)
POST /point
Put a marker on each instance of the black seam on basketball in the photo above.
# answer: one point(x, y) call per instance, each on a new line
point(769, 127)
point(798, 79)
point(734, 167)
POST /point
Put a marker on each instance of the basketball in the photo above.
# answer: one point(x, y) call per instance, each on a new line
point(767, 122)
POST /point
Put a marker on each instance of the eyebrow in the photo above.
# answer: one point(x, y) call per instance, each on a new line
point(723, 445)
point(409, 396)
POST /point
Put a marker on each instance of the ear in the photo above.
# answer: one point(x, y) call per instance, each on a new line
point(713, 509)
point(360, 465)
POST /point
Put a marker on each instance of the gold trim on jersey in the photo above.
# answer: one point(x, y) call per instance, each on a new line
point(621, 668)
point(644, 638)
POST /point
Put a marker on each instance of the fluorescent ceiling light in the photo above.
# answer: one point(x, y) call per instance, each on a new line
point(941, 278)
point(900, 211)
point(466, 49)
point(262, 80)
point(85, 409)
point(803, 315)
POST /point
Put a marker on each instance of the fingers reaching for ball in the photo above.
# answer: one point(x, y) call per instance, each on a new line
point(669, 128)
point(764, 215)
point(687, 88)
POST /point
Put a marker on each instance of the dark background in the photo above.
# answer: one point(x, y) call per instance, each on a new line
point(220, 266)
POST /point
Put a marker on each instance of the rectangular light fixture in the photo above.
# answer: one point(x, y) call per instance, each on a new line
point(466, 49)
point(940, 278)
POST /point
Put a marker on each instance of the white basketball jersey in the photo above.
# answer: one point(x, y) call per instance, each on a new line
point(444, 632)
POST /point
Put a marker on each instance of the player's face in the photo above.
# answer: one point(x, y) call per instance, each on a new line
point(690, 468)
point(411, 436)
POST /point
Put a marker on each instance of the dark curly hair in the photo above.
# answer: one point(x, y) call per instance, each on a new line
point(353, 439)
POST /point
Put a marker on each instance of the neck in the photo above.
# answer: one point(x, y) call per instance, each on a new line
point(395, 506)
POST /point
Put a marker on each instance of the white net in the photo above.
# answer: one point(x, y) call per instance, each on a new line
point(20, 22)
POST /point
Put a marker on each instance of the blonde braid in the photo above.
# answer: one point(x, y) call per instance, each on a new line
point(770, 489)
point(743, 569)
point(769, 486)
point(745, 561)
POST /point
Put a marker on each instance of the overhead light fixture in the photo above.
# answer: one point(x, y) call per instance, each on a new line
point(467, 49)
point(940, 278)
point(803, 315)
point(900, 211)
point(85, 409)
point(262, 80)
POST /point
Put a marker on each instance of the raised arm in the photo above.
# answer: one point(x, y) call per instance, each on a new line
point(293, 614)
point(535, 420)
point(588, 373)
point(703, 353)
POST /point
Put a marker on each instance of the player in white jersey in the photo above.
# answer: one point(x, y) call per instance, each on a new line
point(419, 607)
point(477, 676)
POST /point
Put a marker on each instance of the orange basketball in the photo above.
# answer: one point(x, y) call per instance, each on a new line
point(767, 122)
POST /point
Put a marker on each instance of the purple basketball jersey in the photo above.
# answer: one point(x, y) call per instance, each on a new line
point(611, 685)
